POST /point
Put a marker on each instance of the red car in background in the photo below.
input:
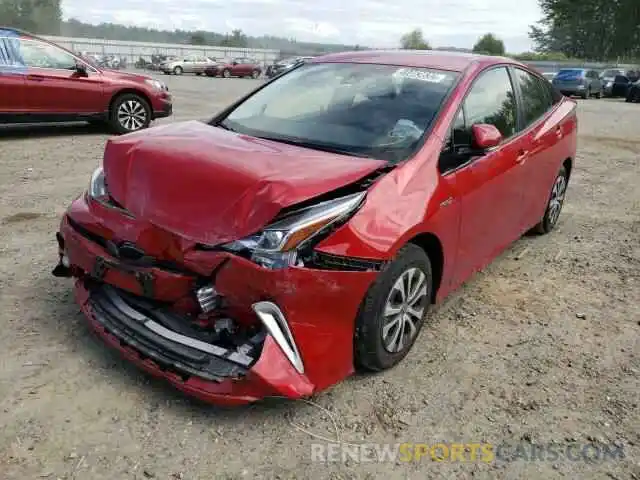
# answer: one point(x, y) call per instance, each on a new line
point(238, 67)
point(305, 230)
point(43, 82)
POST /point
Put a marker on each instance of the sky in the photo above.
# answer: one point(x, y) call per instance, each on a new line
point(373, 23)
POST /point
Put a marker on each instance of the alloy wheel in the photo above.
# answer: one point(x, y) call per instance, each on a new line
point(403, 310)
point(132, 115)
point(557, 199)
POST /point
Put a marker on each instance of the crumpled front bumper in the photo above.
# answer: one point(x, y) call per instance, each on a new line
point(319, 307)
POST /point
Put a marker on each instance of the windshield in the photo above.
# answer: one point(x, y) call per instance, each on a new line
point(378, 111)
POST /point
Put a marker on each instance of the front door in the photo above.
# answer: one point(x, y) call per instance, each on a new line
point(53, 86)
point(12, 75)
point(487, 187)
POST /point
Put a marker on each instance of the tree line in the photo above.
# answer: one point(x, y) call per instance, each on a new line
point(598, 30)
point(45, 17)
point(585, 29)
point(589, 29)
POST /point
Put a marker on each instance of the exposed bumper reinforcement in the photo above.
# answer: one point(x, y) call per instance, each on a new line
point(146, 331)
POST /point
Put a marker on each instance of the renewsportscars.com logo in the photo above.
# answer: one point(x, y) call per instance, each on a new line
point(464, 452)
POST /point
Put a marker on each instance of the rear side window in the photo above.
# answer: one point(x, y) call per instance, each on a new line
point(536, 99)
point(492, 100)
point(568, 74)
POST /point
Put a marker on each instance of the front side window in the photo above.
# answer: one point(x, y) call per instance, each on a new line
point(38, 54)
point(491, 100)
point(535, 98)
point(380, 111)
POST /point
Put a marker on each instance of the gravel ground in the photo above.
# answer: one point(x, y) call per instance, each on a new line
point(540, 348)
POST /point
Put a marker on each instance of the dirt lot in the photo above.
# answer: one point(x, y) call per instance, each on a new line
point(541, 348)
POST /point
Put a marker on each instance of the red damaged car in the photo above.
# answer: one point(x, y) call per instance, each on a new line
point(305, 230)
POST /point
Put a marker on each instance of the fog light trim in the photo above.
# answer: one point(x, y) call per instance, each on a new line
point(276, 324)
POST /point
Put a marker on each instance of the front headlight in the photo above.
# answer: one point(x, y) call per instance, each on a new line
point(154, 83)
point(609, 84)
point(278, 244)
point(97, 185)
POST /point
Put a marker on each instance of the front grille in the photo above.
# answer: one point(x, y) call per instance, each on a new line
point(169, 339)
point(145, 261)
point(326, 261)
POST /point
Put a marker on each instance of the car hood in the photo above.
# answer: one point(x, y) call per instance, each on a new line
point(212, 186)
point(119, 75)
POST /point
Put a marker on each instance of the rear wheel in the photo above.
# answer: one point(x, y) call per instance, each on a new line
point(393, 310)
point(555, 203)
point(255, 74)
point(129, 113)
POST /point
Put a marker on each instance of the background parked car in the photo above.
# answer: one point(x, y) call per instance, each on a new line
point(285, 64)
point(189, 64)
point(238, 67)
point(617, 86)
point(43, 82)
point(633, 93)
point(581, 82)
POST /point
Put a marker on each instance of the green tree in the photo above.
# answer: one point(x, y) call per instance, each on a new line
point(236, 39)
point(589, 29)
point(38, 16)
point(489, 44)
point(414, 40)
point(198, 38)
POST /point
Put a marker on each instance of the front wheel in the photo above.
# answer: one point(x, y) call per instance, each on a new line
point(555, 203)
point(255, 74)
point(226, 73)
point(393, 310)
point(129, 113)
point(178, 71)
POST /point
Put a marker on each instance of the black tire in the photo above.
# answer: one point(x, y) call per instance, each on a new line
point(369, 347)
point(178, 71)
point(198, 73)
point(255, 74)
point(129, 102)
point(550, 220)
point(226, 73)
point(586, 95)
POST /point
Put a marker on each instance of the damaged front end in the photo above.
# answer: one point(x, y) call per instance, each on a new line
point(231, 323)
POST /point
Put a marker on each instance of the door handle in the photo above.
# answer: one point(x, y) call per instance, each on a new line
point(559, 133)
point(522, 156)
point(35, 78)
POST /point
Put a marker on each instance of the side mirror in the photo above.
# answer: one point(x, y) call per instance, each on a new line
point(81, 69)
point(485, 136)
point(234, 63)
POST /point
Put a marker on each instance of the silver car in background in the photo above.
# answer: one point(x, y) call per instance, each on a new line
point(581, 82)
point(189, 64)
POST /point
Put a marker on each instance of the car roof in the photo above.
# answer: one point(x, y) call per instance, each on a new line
point(437, 59)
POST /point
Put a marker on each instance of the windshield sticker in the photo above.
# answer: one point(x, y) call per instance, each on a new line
point(417, 74)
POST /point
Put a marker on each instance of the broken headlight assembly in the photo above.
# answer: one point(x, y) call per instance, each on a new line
point(278, 245)
point(97, 185)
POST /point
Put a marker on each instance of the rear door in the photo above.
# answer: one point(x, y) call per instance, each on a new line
point(543, 130)
point(487, 186)
point(53, 86)
point(12, 75)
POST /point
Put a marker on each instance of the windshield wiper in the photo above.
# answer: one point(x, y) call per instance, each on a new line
point(225, 127)
point(316, 146)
